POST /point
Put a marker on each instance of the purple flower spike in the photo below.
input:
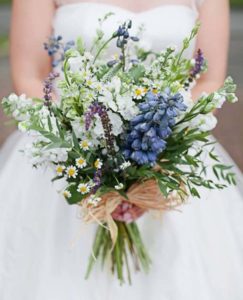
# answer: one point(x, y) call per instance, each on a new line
point(101, 111)
point(97, 181)
point(197, 69)
point(48, 87)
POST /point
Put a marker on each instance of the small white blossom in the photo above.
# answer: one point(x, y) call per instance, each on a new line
point(23, 126)
point(218, 100)
point(88, 56)
point(108, 100)
point(83, 188)
point(81, 162)
point(98, 163)
point(85, 74)
point(193, 62)
point(139, 92)
point(85, 145)
point(126, 106)
point(119, 186)
point(204, 123)
point(99, 87)
point(90, 82)
point(67, 194)
point(114, 85)
point(125, 165)
point(71, 172)
point(60, 169)
point(116, 123)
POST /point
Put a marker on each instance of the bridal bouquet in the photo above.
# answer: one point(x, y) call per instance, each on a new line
point(125, 135)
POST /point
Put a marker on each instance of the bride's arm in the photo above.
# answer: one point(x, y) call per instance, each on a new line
point(213, 39)
point(30, 27)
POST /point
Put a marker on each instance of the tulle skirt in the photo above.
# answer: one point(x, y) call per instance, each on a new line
point(197, 252)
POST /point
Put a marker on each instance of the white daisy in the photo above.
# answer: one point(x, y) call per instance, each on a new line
point(71, 172)
point(85, 74)
point(83, 188)
point(67, 194)
point(119, 186)
point(60, 169)
point(98, 163)
point(99, 87)
point(81, 162)
point(85, 144)
point(139, 92)
point(90, 82)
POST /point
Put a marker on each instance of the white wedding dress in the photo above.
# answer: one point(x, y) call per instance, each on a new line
point(44, 246)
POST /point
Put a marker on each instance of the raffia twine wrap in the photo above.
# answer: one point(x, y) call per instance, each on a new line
point(145, 195)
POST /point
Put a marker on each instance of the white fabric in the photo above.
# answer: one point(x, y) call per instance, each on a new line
point(162, 2)
point(197, 253)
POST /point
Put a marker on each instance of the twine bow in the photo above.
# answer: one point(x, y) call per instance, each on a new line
point(145, 195)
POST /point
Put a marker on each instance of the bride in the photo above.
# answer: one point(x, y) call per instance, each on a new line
point(197, 253)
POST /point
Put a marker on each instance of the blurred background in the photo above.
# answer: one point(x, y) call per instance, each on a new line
point(230, 128)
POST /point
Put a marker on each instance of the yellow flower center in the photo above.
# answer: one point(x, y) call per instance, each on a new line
point(84, 144)
point(66, 194)
point(81, 161)
point(97, 163)
point(138, 92)
point(83, 189)
point(155, 91)
point(59, 169)
point(89, 82)
point(71, 172)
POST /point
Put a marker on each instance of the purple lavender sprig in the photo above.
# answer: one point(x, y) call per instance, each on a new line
point(100, 110)
point(196, 70)
point(48, 88)
point(199, 62)
point(96, 180)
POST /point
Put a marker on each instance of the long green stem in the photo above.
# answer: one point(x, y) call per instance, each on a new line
point(102, 48)
point(123, 59)
point(96, 249)
point(65, 65)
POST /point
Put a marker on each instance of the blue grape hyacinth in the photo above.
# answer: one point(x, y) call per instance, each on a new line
point(149, 130)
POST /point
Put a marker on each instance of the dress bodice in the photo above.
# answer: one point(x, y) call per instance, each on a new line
point(166, 24)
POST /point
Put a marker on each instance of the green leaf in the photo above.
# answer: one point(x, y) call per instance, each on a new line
point(163, 188)
point(56, 178)
point(49, 123)
point(194, 192)
point(61, 132)
point(76, 196)
point(137, 72)
point(80, 45)
point(213, 156)
point(60, 144)
point(75, 141)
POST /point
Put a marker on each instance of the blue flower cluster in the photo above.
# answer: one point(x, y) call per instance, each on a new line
point(56, 48)
point(148, 130)
point(123, 35)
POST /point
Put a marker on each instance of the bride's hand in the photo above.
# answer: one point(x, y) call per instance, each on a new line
point(127, 212)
